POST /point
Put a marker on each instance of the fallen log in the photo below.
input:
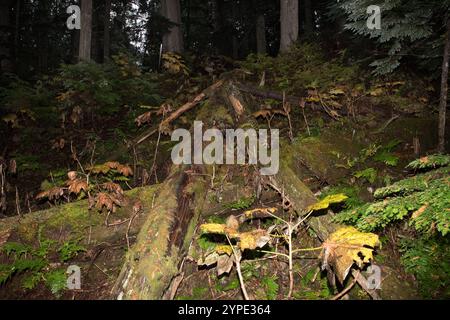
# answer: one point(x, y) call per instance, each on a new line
point(75, 221)
point(177, 113)
point(154, 260)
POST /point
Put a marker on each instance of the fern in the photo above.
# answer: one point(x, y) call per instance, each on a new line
point(429, 261)
point(430, 162)
point(369, 174)
point(271, 286)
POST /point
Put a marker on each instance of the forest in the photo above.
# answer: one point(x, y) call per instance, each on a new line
point(224, 150)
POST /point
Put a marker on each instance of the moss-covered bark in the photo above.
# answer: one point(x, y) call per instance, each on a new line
point(75, 221)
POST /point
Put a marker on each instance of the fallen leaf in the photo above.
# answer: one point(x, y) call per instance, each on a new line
point(327, 201)
point(346, 247)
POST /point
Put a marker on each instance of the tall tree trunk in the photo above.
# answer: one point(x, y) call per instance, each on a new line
point(261, 44)
point(84, 53)
point(6, 60)
point(106, 34)
point(444, 91)
point(309, 18)
point(172, 40)
point(289, 23)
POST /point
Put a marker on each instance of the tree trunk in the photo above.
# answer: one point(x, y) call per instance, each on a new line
point(309, 18)
point(444, 91)
point(106, 34)
point(6, 61)
point(261, 44)
point(289, 23)
point(84, 53)
point(172, 40)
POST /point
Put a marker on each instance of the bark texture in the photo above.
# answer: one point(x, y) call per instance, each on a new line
point(84, 51)
point(444, 91)
point(289, 23)
point(261, 43)
point(172, 40)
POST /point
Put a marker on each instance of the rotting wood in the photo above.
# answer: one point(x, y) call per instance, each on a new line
point(176, 114)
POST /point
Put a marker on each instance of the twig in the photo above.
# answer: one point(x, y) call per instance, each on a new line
point(153, 169)
point(128, 229)
point(344, 292)
point(302, 105)
point(237, 259)
point(18, 203)
point(362, 281)
point(386, 124)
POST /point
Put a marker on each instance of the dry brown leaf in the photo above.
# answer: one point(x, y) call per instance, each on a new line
point(125, 170)
point(224, 264)
point(51, 194)
point(75, 186)
point(112, 164)
point(72, 175)
point(265, 113)
point(418, 212)
point(112, 187)
point(4, 236)
point(107, 201)
point(144, 118)
point(232, 223)
point(237, 105)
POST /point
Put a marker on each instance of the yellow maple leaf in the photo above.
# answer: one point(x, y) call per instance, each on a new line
point(253, 239)
point(346, 247)
point(224, 249)
point(327, 201)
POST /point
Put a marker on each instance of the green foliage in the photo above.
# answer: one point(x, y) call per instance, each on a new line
point(429, 261)
point(105, 87)
point(353, 200)
point(426, 196)
point(407, 186)
point(56, 281)
point(35, 265)
point(241, 204)
point(369, 174)
point(22, 98)
point(313, 291)
point(69, 250)
point(402, 25)
point(205, 243)
point(271, 286)
point(304, 66)
point(430, 162)
point(232, 285)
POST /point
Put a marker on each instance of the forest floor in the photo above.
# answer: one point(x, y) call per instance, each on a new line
point(339, 129)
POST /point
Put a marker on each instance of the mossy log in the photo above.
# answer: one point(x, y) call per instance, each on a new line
point(153, 261)
point(75, 221)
